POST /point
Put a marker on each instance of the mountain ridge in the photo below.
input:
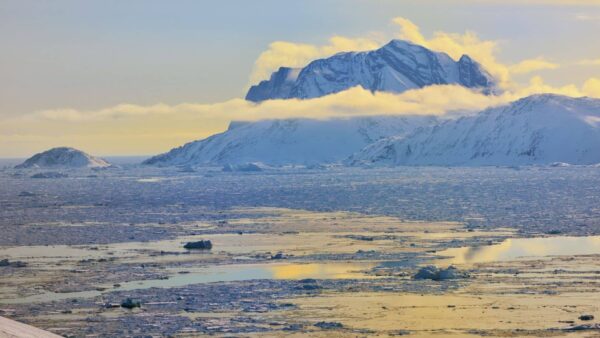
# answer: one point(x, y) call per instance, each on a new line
point(539, 129)
point(395, 67)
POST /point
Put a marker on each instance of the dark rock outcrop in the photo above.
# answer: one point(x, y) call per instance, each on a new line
point(437, 274)
point(130, 303)
point(329, 325)
point(199, 245)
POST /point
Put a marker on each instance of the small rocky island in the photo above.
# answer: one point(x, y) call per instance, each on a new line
point(63, 157)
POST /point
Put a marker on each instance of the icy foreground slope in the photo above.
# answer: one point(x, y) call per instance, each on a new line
point(395, 67)
point(540, 129)
point(291, 141)
point(63, 157)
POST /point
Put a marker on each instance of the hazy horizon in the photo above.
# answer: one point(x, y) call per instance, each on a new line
point(317, 168)
point(144, 77)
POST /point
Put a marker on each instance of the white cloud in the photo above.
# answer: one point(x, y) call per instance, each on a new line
point(431, 100)
point(538, 86)
point(290, 54)
point(591, 87)
point(436, 100)
point(136, 129)
point(532, 65)
point(469, 43)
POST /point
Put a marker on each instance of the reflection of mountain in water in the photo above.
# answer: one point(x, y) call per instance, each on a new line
point(522, 248)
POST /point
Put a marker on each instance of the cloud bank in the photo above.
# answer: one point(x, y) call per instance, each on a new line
point(149, 129)
point(136, 129)
point(433, 100)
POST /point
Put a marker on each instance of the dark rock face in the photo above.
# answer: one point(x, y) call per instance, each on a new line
point(437, 274)
point(473, 76)
point(278, 86)
point(586, 317)
point(200, 245)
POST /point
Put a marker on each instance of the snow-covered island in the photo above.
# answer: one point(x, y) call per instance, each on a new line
point(63, 158)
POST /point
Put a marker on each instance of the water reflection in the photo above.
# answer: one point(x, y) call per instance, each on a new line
point(223, 273)
point(229, 273)
point(318, 271)
point(521, 248)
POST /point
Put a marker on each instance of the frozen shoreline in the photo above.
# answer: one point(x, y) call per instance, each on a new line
point(354, 239)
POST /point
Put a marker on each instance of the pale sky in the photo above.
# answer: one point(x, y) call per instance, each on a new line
point(67, 67)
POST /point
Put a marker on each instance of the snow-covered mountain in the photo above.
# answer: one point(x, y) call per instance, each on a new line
point(291, 141)
point(396, 67)
point(540, 129)
point(63, 157)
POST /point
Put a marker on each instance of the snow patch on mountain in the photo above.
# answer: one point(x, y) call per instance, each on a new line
point(290, 141)
point(540, 129)
point(396, 67)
